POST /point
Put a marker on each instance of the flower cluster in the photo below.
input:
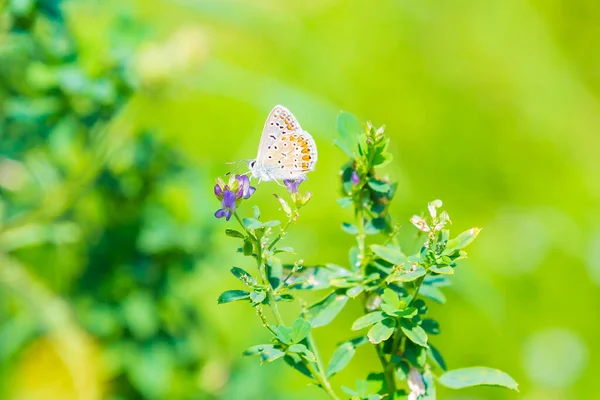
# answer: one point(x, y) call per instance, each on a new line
point(293, 187)
point(231, 194)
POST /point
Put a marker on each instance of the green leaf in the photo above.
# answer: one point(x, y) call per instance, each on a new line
point(243, 276)
point(340, 358)
point(267, 352)
point(300, 330)
point(274, 271)
point(284, 206)
point(345, 202)
point(348, 128)
point(234, 233)
point(379, 186)
point(340, 143)
point(414, 332)
point(258, 297)
point(429, 387)
point(375, 226)
point(251, 223)
point(390, 310)
point(296, 362)
point(446, 270)
point(435, 355)
point(248, 247)
point(303, 351)
point(284, 334)
point(272, 223)
point(408, 313)
point(433, 293)
point(285, 250)
point(324, 311)
point(368, 320)
point(391, 297)
point(476, 376)
point(381, 331)
point(355, 291)
point(256, 212)
point(232, 295)
point(430, 326)
point(461, 240)
point(407, 276)
point(389, 254)
point(349, 228)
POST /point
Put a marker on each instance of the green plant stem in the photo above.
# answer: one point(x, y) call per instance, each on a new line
point(321, 379)
point(281, 234)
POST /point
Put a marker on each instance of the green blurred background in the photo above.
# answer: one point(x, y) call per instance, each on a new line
point(115, 117)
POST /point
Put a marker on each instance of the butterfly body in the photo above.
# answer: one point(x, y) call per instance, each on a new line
point(285, 150)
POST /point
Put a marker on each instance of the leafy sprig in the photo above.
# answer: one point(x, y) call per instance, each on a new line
point(393, 287)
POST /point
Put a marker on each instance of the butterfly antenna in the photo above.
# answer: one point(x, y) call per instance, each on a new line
point(236, 166)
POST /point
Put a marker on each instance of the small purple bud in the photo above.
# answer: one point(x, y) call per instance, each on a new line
point(293, 184)
point(218, 191)
point(228, 200)
point(355, 178)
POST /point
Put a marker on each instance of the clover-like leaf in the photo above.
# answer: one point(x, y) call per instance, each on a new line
point(300, 330)
point(251, 223)
point(368, 320)
point(232, 295)
point(414, 332)
point(234, 233)
point(324, 311)
point(389, 254)
point(340, 358)
point(477, 376)
point(303, 351)
point(382, 330)
point(462, 240)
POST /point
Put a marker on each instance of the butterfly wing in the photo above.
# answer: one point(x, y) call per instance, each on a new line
point(285, 150)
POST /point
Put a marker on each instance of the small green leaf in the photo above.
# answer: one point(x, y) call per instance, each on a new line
point(433, 293)
point(303, 351)
point(340, 358)
point(232, 295)
point(408, 313)
point(446, 270)
point(285, 250)
point(345, 202)
point(296, 362)
point(349, 228)
point(381, 331)
point(234, 233)
point(389, 254)
point(272, 223)
point(284, 334)
point(248, 247)
point(300, 330)
point(355, 291)
point(267, 352)
point(375, 226)
point(243, 276)
point(324, 311)
point(476, 376)
point(391, 297)
point(390, 310)
point(407, 276)
point(251, 223)
point(379, 186)
point(430, 326)
point(258, 297)
point(435, 355)
point(461, 240)
point(414, 332)
point(368, 320)
point(274, 271)
point(256, 212)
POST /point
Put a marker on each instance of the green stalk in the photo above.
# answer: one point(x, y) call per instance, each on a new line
point(321, 379)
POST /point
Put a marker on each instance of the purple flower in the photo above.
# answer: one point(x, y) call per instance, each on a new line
point(355, 178)
point(231, 194)
point(227, 205)
point(245, 190)
point(293, 184)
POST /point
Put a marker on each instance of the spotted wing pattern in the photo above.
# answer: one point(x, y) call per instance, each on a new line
point(285, 150)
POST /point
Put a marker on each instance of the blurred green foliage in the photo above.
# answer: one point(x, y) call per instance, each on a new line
point(492, 106)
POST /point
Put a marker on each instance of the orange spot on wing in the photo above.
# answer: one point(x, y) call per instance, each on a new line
point(305, 150)
point(304, 166)
point(306, 158)
point(292, 138)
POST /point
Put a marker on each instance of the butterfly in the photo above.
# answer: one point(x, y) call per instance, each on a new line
point(285, 150)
